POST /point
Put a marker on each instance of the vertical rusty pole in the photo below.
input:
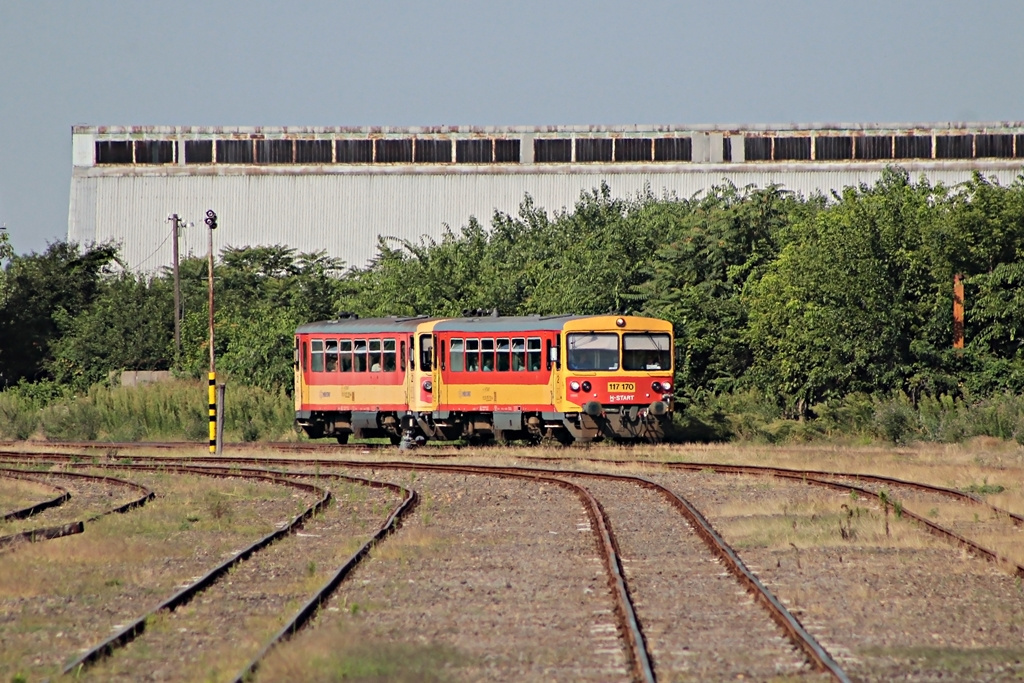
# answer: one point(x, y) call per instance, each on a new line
point(211, 221)
point(176, 223)
point(958, 311)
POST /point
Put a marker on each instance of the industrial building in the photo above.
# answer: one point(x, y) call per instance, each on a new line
point(337, 189)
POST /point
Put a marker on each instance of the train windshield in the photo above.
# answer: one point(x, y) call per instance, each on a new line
point(593, 351)
point(646, 351)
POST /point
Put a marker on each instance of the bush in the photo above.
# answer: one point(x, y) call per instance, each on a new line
point(895, 420)
point(19, 416)
point(72, 420)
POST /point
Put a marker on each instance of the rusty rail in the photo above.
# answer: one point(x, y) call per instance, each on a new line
point(137, 627)
point(309, 610)
point(32, 510)
point(78, 526)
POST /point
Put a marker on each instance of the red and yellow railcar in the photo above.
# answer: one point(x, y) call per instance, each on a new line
point(572, 378)
point(359, 377)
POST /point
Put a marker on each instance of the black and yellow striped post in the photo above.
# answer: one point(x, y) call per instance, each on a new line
point(213, 412)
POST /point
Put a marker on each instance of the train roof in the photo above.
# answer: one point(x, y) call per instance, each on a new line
point(525, 323)
point(354, 325)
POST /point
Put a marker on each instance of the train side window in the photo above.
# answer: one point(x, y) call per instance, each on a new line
point(304, 358)
point(487, 355)
point(519, 354)
point(472, 355)
point(503, 357)
point(457, 361)
point(401, 356)
point(317, 355)
point(389, 364)
point(375, 360)
point(533, 354)
point(412, 351)
point(331, 355)
point(359, 353)
point(346, 355)
point(426, 352)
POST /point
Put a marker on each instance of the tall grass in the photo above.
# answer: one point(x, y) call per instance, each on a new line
point(163, 411)
point(895, 418)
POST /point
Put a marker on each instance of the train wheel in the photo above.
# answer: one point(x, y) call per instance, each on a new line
point(343, 438)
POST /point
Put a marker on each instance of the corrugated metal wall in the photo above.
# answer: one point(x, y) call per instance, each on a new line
point(344, 213)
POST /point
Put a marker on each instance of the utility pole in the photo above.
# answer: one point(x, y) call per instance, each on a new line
point(215, 437)
point(176, 224)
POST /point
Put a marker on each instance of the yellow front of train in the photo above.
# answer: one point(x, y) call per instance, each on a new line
point(614, 377)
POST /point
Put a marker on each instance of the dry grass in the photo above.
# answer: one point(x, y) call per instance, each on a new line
point(343, 652)
point(125, 564)
point(16, 494)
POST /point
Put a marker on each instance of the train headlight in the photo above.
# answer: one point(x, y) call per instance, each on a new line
point(656, 387)
point(586, 386)
point(428, 385)
point(574, 385)
point(620, 322)
point(666, 386)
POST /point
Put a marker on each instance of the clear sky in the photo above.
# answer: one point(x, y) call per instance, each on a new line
point(479, 63)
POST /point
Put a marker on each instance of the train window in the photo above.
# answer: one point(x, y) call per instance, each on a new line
point(426, 352)
point(374, 354)
point(304, 358)
point(401, 362)
point(346, 355)
point(457, 360)
point(487, 355)
point(593, 351)
point(317, 355)
point(359, 355)
point(646, 351)
point(519, 354)
point(472, 355)
point(533, 354)
point(390, 363)
point(502, 356)
point(331, 355)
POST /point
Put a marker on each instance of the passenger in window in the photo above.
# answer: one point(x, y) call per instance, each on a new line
point(376, 366)
point(652, 362)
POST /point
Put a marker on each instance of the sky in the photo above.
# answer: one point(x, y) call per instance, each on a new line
point(338, 63)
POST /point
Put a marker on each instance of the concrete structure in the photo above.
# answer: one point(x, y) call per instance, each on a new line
point(338, 189)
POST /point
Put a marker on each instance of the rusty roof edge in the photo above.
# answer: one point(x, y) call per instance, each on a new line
point(82, 129)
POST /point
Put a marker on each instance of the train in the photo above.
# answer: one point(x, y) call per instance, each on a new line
point(562, 378)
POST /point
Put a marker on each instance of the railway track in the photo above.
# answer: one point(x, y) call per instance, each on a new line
point(645, 655)
point(628, 623)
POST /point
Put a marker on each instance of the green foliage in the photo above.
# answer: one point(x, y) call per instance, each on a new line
point(796, 318)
